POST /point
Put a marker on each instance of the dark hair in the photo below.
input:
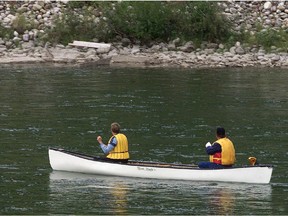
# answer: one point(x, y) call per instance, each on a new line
point(220, 132)
point(115, 127)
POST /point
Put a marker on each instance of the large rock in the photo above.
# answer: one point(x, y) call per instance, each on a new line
point(232, 50)
point(176, 41)
point(36, 7)
point(267, 5)
point(123, 60)
point(125, 42)
point(239, 50)
point(22, 9)
point(2, 42)
point(188, 47)
point(25, 37)
point(2, 49)
point(171, 46)
point(65, 55)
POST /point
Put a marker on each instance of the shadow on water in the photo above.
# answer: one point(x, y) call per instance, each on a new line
point(118, 195)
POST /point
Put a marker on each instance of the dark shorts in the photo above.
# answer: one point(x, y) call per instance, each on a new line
point(104, 159)
point(210, 165)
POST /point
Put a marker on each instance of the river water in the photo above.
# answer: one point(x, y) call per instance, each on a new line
point(167, 114)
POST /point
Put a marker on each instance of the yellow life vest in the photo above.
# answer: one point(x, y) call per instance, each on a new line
point(121, 149)
point(227, 156)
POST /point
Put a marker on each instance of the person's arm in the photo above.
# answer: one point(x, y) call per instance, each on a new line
point(107, 148)
point(215, 148)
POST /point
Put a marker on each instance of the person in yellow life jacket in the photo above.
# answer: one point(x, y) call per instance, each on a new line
point(117, 148)
point(221, 152)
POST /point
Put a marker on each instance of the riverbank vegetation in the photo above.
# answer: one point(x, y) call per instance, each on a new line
point(267, 38)
point(143, 22)
point(147, 23)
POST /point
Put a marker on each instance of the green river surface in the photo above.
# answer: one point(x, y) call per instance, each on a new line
point(168, 115)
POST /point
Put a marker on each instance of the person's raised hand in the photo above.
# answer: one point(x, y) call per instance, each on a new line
point(208, 144)
point(99, 139)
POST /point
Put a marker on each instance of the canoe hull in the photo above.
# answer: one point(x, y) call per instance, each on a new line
point(65, 161)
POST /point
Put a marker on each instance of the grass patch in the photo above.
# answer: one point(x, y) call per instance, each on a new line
point(6, 33)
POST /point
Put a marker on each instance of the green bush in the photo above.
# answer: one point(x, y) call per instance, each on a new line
point(6, 32)
point(203, 21)
point(263, 37)
point(150, 21)
point(143, 21)
point(20, 24)
point(69, 28)
point(271, 37)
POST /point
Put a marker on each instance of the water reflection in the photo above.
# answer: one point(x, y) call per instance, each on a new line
point(223, 201)
point(98, 192)
point(118, 195)
point(230, 199)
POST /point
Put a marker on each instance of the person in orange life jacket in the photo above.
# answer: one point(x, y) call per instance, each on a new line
point(221, 152)
point(117, 148)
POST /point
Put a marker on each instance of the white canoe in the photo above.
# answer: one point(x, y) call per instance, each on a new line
point(63, 160)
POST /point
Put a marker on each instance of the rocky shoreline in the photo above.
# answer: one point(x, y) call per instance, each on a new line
point(135, 57)
point(126, 54)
